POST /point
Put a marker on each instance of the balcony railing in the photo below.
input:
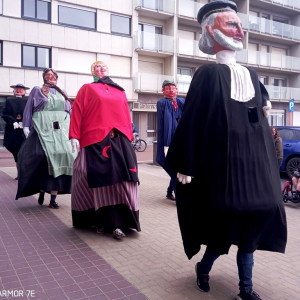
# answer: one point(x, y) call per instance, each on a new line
point(257, 58)
point(167, 6)
point(271, 27)
point(153, 42)
point(283, 93)
point(190, 9)
point(275, 92)
point(288, 3)
point(144, 82)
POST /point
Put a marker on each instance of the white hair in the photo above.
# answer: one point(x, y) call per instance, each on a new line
point(206, 43)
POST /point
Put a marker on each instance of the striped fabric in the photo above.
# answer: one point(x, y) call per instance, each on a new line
point(84, 198)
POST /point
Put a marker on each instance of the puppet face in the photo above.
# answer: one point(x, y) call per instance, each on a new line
point(170, 91)
point(50, 77)
point(227, 32)
point(101, 70)
point(19, 91)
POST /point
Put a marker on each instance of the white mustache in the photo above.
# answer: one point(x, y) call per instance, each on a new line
point(227, 41)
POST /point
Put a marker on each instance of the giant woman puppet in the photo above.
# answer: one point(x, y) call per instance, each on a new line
point(223, 148)
point(105, 180)
point(46, 158)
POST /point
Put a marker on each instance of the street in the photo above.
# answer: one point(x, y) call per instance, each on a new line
point(42, 253)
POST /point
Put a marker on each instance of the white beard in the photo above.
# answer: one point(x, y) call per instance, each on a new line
point(227, 42)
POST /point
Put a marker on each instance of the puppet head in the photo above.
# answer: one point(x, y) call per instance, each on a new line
point(19, 89)
point(169, 89)
point(50, 76)
point(99, 69)
point(221, 27)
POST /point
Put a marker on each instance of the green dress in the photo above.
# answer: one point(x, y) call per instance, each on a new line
point(52, 126)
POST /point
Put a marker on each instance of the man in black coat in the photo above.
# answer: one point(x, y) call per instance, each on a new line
point(12, 114)
point(223, 151)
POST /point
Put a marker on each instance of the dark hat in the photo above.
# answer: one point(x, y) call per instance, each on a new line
point(19, 85)
point(168, 82)
point(215, 7)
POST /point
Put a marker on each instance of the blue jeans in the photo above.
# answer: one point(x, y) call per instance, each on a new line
point(173, 181)
point(170, 188)
point(244, 261)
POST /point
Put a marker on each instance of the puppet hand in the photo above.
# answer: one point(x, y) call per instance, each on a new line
point(75, 145)
point(267, 108)
point(26, 131)
point(166, 150)
point(184, 178)
point(16, 125)
point(21, 125)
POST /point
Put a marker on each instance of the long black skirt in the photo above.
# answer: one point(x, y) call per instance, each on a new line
point(33, 170)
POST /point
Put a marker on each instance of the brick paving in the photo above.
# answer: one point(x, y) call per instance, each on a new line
point(152, 263)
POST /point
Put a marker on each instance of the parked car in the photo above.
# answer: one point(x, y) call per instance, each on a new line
point(291, 148)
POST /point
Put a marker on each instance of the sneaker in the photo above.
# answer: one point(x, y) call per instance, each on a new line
point(100, 230)
point(41, 200)
point(171, 197)
point(248, 296)
point(202, 280)
point(118, 234)
point(53, 205)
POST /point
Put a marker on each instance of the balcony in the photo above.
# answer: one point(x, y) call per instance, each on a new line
point(288, 3)
point(150, 83)
point(278, 93)
point(158, 44)
point(189, 9)
point(148, 7)
point(283, 93)
point(255, 58)
point(270, 27)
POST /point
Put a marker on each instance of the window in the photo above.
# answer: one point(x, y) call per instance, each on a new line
point(1, 52)
point(120, 25)
point(263, 80)
point(1, 9)
point(76, 17)
point(35, 57)
point(276, 118)
point(277, 81)
point(184, 71)
point(36, 9)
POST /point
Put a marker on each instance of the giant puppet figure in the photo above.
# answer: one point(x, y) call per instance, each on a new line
point(169, 111)
point(105, 180)
point(223, 148)
point(12, 114)
point(46, 158)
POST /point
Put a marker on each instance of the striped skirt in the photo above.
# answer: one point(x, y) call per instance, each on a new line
point(108, 207)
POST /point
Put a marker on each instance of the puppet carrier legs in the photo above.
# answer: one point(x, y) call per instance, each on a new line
point(289, 193)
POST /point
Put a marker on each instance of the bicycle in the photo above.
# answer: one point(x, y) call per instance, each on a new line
point(139, 145)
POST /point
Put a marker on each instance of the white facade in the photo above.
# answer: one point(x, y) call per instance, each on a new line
point(159, 43)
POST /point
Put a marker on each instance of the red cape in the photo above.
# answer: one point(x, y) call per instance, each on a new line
point(97, 109)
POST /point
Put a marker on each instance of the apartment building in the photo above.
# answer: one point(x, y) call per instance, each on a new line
point(144, 42)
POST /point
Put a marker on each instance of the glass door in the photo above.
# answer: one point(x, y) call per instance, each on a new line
point(151, 127)
point(151, 37)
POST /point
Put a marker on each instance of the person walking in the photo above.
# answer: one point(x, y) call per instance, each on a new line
point(278, 145)
point(223, 148)
point(12, 114)
point(46, 158)
point(105, 181)
point(169, 111)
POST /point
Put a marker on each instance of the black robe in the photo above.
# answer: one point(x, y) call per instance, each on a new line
point(226, 145)
point(13, 138)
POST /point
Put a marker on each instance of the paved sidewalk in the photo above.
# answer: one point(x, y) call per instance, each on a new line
point(153, 261)
point(42, 258)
